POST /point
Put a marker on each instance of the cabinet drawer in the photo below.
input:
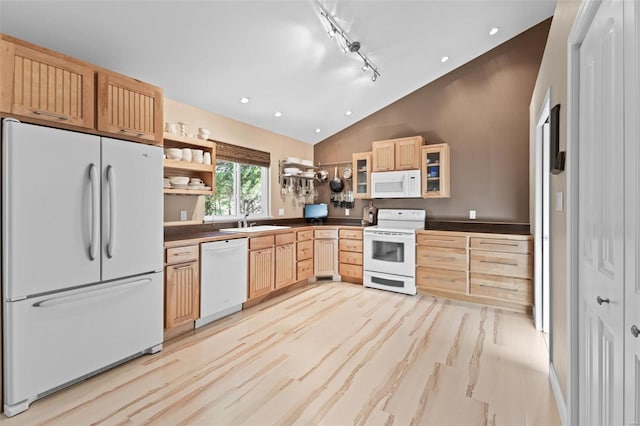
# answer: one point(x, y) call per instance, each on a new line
point(443, 258)
point(305, 235)
point(351, 271)
point(325, 233)
point(502, 245)
point(350, 245)
point(305, 269)
point(441, 279)
point(499, 263)
point(352, 234)
point(182, 254)
point(261, 242)
point(437, 240)
point(285, 238)
point(504, 288)
point(305, 250)
point(350, 257)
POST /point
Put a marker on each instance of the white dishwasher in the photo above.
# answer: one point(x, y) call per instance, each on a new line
point(223, 278)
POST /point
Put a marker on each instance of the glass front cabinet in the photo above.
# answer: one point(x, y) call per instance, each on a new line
point(362, 162)
point(435, 171)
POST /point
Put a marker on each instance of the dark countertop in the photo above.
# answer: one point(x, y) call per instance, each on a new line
point(195, 234)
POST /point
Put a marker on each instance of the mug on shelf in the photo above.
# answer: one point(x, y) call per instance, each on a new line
point(206, 159)
point(171, 128)
point(186, 154)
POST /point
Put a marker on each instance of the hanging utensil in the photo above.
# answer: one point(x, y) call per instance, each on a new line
point(347, 172)
point(336, 183)
point(322, 175)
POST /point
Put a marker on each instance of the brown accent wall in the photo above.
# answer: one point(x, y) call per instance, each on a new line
point(481, 110)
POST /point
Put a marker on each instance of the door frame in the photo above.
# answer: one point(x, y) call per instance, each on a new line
point(542, 258)
point(581, 25)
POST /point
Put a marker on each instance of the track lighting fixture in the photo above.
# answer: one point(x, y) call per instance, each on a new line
point(345, 44)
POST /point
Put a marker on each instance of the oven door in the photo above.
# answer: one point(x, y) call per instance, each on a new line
point(390, 252)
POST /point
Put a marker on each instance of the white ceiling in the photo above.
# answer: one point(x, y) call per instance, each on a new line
point(209, 54)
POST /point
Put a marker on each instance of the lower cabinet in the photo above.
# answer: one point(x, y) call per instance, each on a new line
point(182, 287)
point(350, 255)
point(304, 255)
point(261, 269)
point(325, 260)
point(494, 269)
point(286, 267)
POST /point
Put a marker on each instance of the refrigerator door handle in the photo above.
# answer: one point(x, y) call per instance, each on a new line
point(95, 213)
point(112, 211)
point(62, 300)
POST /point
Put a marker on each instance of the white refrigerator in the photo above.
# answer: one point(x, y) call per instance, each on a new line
point(82, 257)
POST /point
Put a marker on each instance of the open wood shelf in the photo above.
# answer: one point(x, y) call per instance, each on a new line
point(170, 137)
point(187, 191)
point(187, 165)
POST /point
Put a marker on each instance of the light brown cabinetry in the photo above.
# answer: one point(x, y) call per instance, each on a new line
point(182, 286)
point(261, 267)
point(493, 269)
point(396, 154)
point(129, 107)
point(435, 170)
point(304, 255)
point(502, 268)
point(362, 175)
point(325, 259)
point(44, 85)
point(285, 260)
point(350, 255)
point(441, 263)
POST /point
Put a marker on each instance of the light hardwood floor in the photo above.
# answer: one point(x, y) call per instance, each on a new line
point(334, 354)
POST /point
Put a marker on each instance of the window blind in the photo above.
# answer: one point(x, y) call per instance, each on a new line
point(240, 154)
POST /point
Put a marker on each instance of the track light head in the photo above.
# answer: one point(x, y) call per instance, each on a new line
point(374, 77)
point(365, 66)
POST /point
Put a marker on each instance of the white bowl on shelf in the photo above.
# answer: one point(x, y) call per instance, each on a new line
point(293, 160)
point(174, 153)
point(308, 163)
point(179, 180)
point(291, 170)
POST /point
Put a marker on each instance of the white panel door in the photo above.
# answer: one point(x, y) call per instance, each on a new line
point(632, 173)
point(601, 219)
point(132, 228)
point(51, 214)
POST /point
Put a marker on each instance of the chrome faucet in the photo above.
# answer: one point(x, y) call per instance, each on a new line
point(243, 223)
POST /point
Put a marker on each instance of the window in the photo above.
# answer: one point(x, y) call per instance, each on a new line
point(240, 189)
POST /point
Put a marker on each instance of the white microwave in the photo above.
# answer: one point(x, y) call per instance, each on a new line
point(399, 184)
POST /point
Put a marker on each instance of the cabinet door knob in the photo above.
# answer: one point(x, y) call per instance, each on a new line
point(600, 300)
point(635, 331)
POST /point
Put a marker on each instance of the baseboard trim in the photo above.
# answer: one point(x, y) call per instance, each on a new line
point(557, 394)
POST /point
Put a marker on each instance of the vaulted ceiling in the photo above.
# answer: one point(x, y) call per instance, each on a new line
point(210, 54)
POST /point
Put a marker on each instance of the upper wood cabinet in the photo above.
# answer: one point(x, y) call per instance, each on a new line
point(397, 154)
point(362, 175)
point(383, 156)
point(129, 107)
point(435, 171)
point(44, 85)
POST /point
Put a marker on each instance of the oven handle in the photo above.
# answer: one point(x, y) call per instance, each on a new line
point(390, 236)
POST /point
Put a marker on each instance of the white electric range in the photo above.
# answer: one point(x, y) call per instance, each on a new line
point(390, 250)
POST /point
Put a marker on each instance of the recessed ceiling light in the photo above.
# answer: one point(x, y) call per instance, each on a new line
point(494, 31)
point(444, 59)
point(244, 100)
point(348, 113)
point(277, 114)
point(318, 130)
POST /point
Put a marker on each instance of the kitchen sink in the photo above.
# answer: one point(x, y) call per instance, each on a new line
point(255, 228)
